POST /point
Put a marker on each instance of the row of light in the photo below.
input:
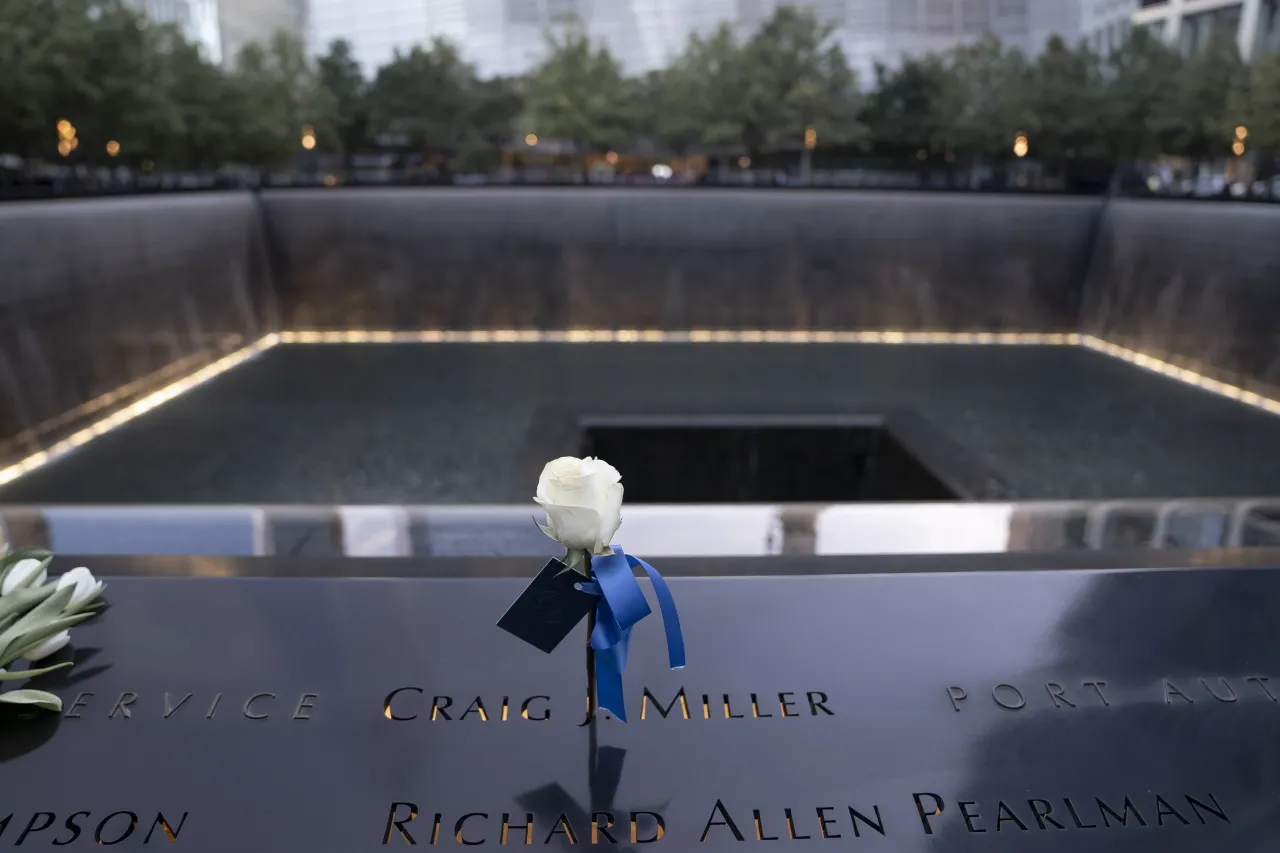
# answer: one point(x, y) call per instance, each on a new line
point(1182, 374)
point(134, 410)
point(222, 365)
point(695, 336)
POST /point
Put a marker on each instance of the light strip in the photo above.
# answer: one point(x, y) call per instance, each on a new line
point(134, 410)
point(1182, 374)
point(698, 336)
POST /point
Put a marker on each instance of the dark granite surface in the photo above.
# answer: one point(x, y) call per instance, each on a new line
point(474, 423)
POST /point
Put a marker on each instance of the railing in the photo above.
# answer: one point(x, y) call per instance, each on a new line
point(658, 531)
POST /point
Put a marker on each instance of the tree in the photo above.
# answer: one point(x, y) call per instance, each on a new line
point(1260, 111)
point(1140, 102)
point(984, 102)
point(1065, 103)
point(797, 78)
point(699, 100)
point(1201, 124)
point(420, 99)
point(908, 111)
point(278, 94)
point(341, 76)
point(493, 107)
point(207, 110)
point(33, 39)
point(577, 93)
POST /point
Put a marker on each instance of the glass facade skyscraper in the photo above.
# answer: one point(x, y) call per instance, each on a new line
point(223, 27)
point(506, 36)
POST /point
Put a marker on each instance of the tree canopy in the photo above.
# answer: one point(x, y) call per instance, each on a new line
point(137, 92)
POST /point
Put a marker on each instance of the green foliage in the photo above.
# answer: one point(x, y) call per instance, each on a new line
point(1139, 115)
point(98, 64)
point(422, 97)
point(275, 93)
point(908, 110)
point(340, 74)
point(1259, 108)
point(577, 93)
point(1200, 122)
point(1065, 102)
point(984, 102)
point(697, 101)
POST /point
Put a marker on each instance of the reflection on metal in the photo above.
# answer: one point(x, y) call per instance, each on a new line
point(668, 531)
point(622, 336)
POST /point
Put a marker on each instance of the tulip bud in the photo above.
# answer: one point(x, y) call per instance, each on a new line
point(49, 646)
point(21, 572)
point(87, 588)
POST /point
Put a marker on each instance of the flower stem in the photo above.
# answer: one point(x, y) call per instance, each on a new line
point(592, 697)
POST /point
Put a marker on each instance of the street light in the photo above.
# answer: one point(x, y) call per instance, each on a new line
point(1242, 133)
point(611, 158)
point(65, 130)
point(113, 148)
point(309, 141)
point(1020, 145)
point(1237, 148)
point(810, 138)
point(531, 140)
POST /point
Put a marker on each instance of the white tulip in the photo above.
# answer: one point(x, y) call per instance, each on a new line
point(20, 573)
point(583, 502)
point(49, 646)
point(87, 588)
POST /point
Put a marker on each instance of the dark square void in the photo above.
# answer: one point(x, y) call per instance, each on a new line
point(474, 423)
point(764, 463)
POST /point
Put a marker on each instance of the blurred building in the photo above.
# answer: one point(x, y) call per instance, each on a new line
point(198, 20)
point(1105, 24)
point(506, 36)
point(241, 22)
point(1190, 24)
point(223, 27)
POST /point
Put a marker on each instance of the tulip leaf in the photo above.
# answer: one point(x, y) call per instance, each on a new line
point(21, 600)
point(39, 698)
point(21, 643)
point(50, 608)
point(19, 554)
point(32, 673)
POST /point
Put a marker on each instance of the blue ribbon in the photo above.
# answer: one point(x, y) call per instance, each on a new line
point(621, 606)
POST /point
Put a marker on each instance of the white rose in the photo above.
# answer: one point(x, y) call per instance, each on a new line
point(49, 646)
point(87, 588)
point(583, 502)
point(20, 573)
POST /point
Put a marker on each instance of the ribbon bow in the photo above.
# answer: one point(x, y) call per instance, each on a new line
point(621, 606)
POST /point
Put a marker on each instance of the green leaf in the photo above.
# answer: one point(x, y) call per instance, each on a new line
point(32, 673)
point(39, 698)
point(20, 554)
point(20, 601)
point(22, 643)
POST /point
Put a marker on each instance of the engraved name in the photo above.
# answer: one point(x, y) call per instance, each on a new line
point(113, 828)
point(929, 814)
point(413, 703)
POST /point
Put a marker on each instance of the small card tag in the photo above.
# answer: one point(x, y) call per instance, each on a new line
point(549, 608)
